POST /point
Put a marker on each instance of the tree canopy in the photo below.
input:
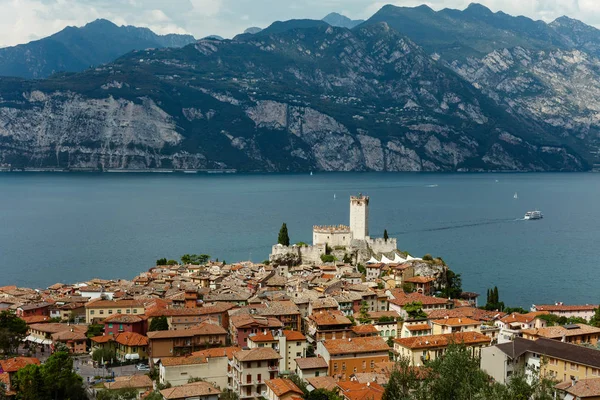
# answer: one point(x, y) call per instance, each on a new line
point(12, 332)
point(195, 259)
point(55, 379)
point(159, 324)
point(414, 310)
point(283, 238)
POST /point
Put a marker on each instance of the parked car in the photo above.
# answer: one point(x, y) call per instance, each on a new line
point(142, 367)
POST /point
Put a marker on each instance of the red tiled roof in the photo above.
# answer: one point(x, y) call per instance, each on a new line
point(282, 387)
point(356, 345)
point(418, 327)
point(455, 321)
point(258, 354)
point(203, 329)
point(311, 363)
point(401, 299)
point(131, 339)
point(293, 335)
point(435, 341)
point(16, 363)
point(564, 307)
point(218, 352)
point(361, 391)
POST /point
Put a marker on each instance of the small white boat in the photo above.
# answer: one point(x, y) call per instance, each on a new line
point(310, 173)
point(334, 196)
point(531, 215)
point(516, 196)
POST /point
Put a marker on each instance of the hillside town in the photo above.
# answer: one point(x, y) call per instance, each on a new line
point(336, 316)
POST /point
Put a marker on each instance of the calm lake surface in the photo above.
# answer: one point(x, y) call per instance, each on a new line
point(73, 227)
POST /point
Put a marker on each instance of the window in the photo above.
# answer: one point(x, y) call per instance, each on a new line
point(343, 366)
point(298, 343)
point(118, 311)
point(354, 370)
point(317, 373)
point(258, 377)
point(135, 310)
point(372, 364)
point(298, 354)
point(110, 325)
point(91, 312)
point(335, 366)
point(573, 367)
point(120, 327)
point(128, 311)
point(595, 371)
point(101, 312)
point(553, 361)
point(110, 311)
point(364, 364)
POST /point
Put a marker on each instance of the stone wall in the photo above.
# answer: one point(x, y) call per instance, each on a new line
point(307, 254)
point(332, 237)
point(380, 245)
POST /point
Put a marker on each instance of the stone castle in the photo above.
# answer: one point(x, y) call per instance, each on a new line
point(353, 241)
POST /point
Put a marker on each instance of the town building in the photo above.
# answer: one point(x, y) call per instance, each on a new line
point(585, 389)
point(421, 349)
point(311, 367)
point(329, 325)
point(570, 333)
point(120, 323)
point(347, 356)
point(243, 325)
point(454, 325)
point(98, 310)
point(140, 383)
point(585, 311)
point(192, 391)
point(185, 341)
point(131, 346)
point(179, 370)
point(250, 370)
point(282, 389)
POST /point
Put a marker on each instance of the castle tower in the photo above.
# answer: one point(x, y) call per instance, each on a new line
point(359, 216)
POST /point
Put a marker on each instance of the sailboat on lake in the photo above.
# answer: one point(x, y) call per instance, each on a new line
point(516, 196)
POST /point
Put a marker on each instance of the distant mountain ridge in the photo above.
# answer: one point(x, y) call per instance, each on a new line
point(410, 89)
point(75, 49)
point(341, 21)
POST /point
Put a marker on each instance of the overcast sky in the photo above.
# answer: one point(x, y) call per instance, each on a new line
point(25, 20)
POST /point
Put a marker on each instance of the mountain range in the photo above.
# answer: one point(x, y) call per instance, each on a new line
point(76, 49)
point(410, 89)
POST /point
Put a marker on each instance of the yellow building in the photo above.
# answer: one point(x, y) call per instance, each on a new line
point(455, 325)
point(572, 333)
point(421, 349)
point(98, 310)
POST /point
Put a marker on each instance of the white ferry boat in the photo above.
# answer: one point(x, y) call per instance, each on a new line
point(533, 215)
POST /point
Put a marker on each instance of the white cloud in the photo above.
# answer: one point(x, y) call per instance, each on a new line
point(25, 20)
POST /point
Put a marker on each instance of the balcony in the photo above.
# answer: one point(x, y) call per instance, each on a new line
point(273, 367)
point(246, 383)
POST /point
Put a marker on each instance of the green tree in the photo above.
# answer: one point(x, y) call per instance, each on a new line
point(283, 238)
point(12, 332)
point(186, 259)
point(155, 395)
point(29, 383)
point(300, 383)
point(324, 394)
point(228, 394)
point(328, 258)
point(161, 261)
point(452, 285)
point(595, 320)
point(403, 381)
point(119, 394)
point(414, 310)
point(364, 317)
point(408, 287)
point(103, 354)
point(428, 257)
point(95, 330)
point(385, 235)
point(361, 268)
point(159, 324)
point(493, 300)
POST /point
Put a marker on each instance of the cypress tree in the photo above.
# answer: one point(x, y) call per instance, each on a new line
point(283, 238)
point(385, 235)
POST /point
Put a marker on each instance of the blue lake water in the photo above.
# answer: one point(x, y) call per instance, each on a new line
point(73, 227)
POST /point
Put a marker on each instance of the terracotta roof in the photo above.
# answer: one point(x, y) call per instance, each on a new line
point(205, 328)
point(581, 389)
point(56, 327)
point(435, 341)
point(522, 318)
point(258, 354)
point(455, 321)
point(418, 327)
point(293, 335)
point(172, 312)
point(401, 299)
point(361, 391)
point(262, 337)
point(282, 387)
point(420, 279)
point(557, 332)
point(563, 307)
point(311, 363)
point(186, 360)
point(218, 352)
point(247, 320)
point(322, 382)
point(467, 312)
point(131, 339)
point(133, 381)
point(123, 319)
point(356, 345)
point(35, 319)
point(68, 335)
point(114, 304)
point(195, 389)
point(16, 363)
point(102, 339)
point(364, 329)
point(329, 317)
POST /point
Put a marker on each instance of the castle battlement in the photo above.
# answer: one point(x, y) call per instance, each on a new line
point(331, 229)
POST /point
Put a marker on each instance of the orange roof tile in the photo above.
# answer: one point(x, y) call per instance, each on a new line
point(218, 352)
point(16, 363)
point(258, 354)
point(418, 327)
point(131, 339)
point(281, 387)
point(455, 321)
point(356, 345)
point(435, 341)
point(293, 335)
point(361, 391)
